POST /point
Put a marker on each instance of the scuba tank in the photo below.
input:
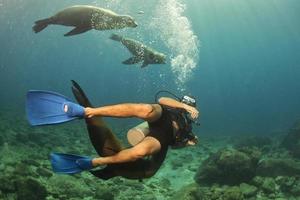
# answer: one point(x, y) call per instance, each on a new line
point(136, 134)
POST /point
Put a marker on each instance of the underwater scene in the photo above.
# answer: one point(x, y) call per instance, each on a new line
point(150, 99)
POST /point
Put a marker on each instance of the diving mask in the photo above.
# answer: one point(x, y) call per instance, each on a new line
point(188, 100)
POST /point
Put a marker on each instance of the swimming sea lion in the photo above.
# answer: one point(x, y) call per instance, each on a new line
point(140, 52)
point(85, 18)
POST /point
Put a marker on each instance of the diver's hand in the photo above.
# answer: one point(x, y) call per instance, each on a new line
point(192, 110)
point(191, 143)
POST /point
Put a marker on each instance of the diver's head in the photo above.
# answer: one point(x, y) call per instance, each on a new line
point(183, 130)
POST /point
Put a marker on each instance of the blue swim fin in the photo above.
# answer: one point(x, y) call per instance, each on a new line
point(69, 163)
point(46, 107)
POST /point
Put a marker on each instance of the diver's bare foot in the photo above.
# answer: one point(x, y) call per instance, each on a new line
point(88, 112)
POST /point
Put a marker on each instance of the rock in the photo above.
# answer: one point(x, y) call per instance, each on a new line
point(1, 140)
point(149, 197)
point(44, 172)
point(262, 198)
point(286, 183)
point(233, 193)
point(296, 188)
point(278, 167)
point(190, 192)
point(215, 192)
point(292, 141)
point(269, 185)
point(176, 164)
point(135, 184)
point(23, 170)
point(2, 167)
point(253, 141)
point(165, 183)
point(257, 181)
point(31, 162)
point(70, 187)
point(21, 138)
point(253, 152)
point(248, 190)
point(227, 166)
point(104, 195)
point(37, 138)
point(272, 196)
point(30, 189)
point(9, 186)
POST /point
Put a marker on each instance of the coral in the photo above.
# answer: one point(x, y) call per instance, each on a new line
point(292, 141)
point(9, 186)
point(68, 186)
point(286, 183)
point(176, 163)
point(228, 166)
point(1, 140)
point(24, 170)
point(104, 194)
point(190, 192)
point(278, 167)
point(30, 189)
point(253, 152)
point(253, 141)
point(195, 192)
point(44, 172)
point(31, 162)
point(233, 193)
point(165, 183)
point(269, 185)
point(248, 190)
point(296, 188)
point(149, 197)
point(257, 181)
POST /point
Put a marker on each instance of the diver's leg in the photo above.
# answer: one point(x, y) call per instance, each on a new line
point(148, 112)
point(147, 147)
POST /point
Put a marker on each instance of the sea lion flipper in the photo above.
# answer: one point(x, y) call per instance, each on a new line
point(78, 30)
point(116, 37)
point(132, 60)
point(41, 25)
point(144, 64)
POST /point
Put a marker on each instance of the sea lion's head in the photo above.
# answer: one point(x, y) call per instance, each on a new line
point(156, 58)
point(129, 21)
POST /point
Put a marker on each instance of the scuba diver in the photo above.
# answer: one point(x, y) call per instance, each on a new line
point(167, 123)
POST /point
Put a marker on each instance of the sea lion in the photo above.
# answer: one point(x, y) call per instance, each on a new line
point(140, 52)
point(85, 18)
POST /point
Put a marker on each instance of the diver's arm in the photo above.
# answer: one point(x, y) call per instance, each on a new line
point(144, 111)
point(171, 102)
point(176, 104)
point(147, 147)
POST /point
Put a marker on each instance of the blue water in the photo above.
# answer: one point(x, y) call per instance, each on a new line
point(246, 77)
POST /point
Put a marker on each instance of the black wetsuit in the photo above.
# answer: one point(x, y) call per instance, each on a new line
point(106, 143)
point(162, 130)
